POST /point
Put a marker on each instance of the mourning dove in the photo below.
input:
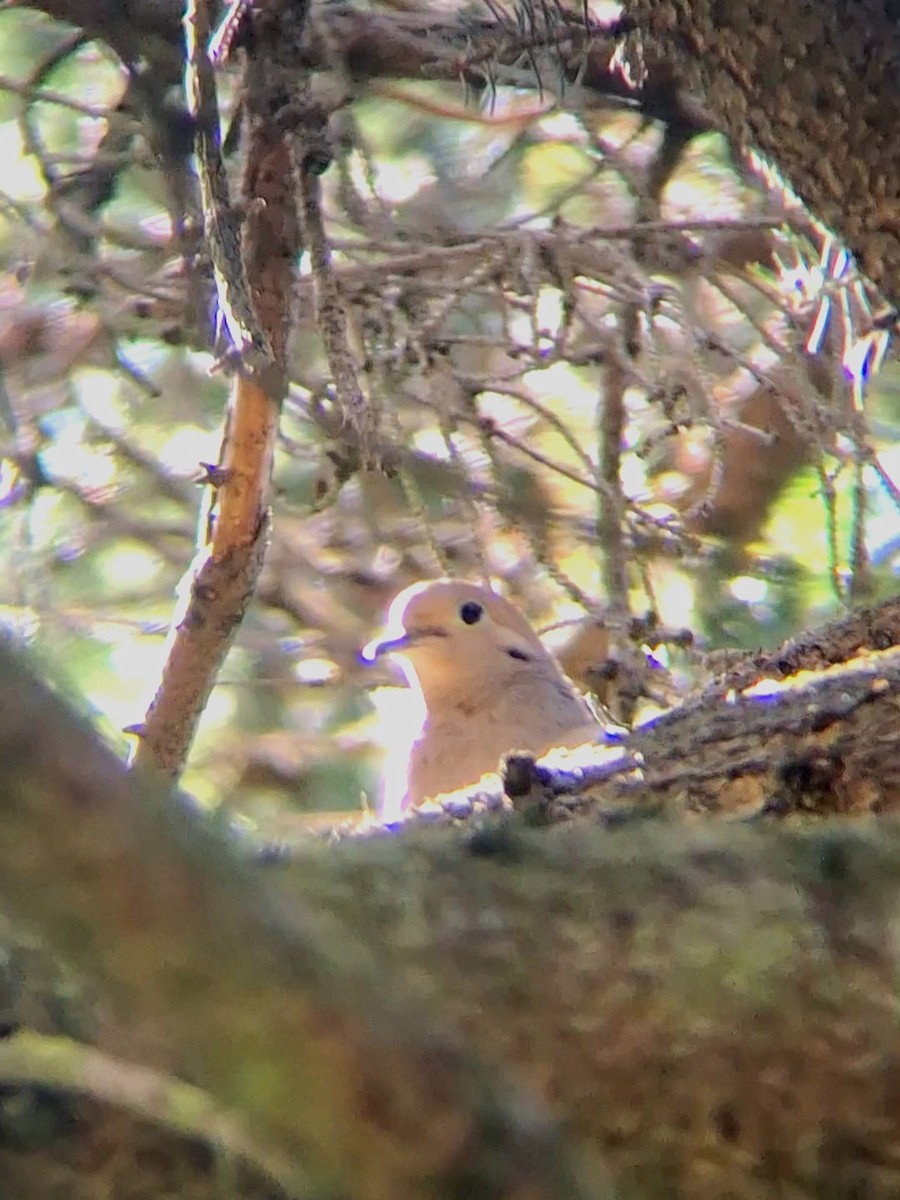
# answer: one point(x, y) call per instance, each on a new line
point(486, 683)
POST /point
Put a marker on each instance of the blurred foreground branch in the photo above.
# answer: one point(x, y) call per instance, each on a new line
point(275, 1010)
point(711, 1010)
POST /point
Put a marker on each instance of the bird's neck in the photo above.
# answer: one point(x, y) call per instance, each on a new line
point(470, 691)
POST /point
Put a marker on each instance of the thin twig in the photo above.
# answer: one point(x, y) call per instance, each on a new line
point(223, 231)
point(610, 523)
point(359, 411)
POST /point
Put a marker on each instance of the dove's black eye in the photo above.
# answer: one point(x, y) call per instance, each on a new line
point(470, 612)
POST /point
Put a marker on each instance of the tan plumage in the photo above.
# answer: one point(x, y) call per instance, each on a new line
point(488, 684)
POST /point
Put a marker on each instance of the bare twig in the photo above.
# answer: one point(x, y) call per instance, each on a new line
point(359, 411)
point(223, 233)
point(610, 523)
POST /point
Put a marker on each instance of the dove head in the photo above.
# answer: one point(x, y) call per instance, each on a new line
point(449, 635)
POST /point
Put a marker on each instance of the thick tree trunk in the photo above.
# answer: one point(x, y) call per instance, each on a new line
point(813, 86)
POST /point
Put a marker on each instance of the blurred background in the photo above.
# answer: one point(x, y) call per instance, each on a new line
point(666, 444)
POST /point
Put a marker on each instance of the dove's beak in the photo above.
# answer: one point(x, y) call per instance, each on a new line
point(384, 644)
point(394, 639)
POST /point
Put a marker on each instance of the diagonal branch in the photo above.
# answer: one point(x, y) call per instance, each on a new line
point(254, 260)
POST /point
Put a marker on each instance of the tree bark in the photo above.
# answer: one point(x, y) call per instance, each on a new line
point(271, 1006)
point(813, 87)
point(710, 1008)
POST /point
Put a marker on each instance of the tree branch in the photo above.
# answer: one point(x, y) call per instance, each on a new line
point(712, 1008)
point(815, 94)
point(273, 1008)
point(63, 1065)
point(254, 269)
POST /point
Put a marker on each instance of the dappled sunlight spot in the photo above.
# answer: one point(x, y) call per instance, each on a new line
point(553, 169)
point(684, 201)
point(100, 395)
point(675, 592)
point(567, 614)
point(562, 381)
point(506, 410)
point(396, 180)
point(128, 568)
point(671, 487)
point(47, 527)
point(661, 511)
point(146, 356)
point(121, 692)
point(573, 758)
point(432, 443)
point(187, 446)
point(70, 457)
point(316, 671)
point(749, 589)
point(21, 177)
point(563, 126)
point(548, 312)
point(766, 689)
point(796, 522)
point(769, 689)
point(218, 717)
point(399, 715)
point(505, 554)
point(220, 708)
point(633, 474)
point(579, 564)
